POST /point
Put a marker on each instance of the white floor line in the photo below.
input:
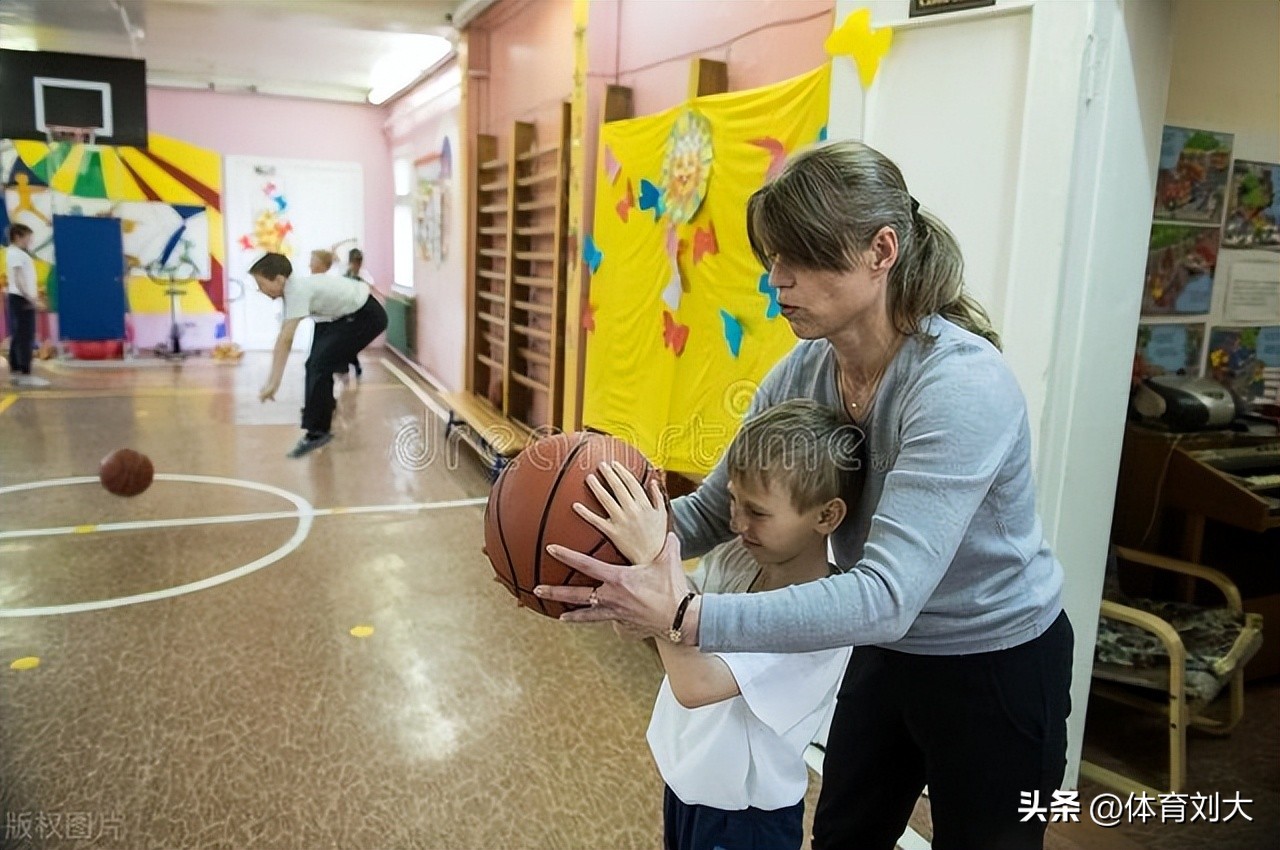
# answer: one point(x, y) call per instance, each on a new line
point(179, 522)
point(416, 390)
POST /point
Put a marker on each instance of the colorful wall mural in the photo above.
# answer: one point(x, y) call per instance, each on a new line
point(168, 198)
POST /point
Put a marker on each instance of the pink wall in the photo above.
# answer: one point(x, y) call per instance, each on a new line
point(526, 49)
point(654, 40)
point(417, 126)
point(258, 125)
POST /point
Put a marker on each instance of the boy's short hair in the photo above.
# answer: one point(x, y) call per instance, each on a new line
point(808, 448)
point(270, 265)
point(325, 258)
point(355, 254)
point(17, 231)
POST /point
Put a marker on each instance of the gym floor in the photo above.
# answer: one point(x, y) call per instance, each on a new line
point(269, 653)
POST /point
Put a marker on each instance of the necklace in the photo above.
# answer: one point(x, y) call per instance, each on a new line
point(871, 385)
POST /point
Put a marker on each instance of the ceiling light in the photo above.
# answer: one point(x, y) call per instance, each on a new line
point(396, 71)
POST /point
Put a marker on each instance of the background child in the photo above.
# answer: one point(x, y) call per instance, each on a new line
point(348, 318)
point(729, 730)
point(356, 271)
point(23, 300)
point(321, 261)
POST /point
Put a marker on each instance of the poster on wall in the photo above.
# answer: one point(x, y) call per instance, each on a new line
point(1168, 349)
point(292, 207)
point(1253, 212)
point(1192, 182)
point(1253, 293)
point(432, 175)
point(1247, 359)
point(1180, 263)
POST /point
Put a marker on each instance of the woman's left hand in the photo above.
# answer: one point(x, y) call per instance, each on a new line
point(646, 595)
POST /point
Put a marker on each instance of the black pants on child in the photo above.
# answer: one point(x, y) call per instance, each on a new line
point(981, 730)
point(334, 345)
point(22, 330)
point(687, 827)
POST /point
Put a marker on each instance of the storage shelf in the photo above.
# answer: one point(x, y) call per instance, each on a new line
point(537, 153)
point(536, 179)
point(515, 322)
point(535, 281)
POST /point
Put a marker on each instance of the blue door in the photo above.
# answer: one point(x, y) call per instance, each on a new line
point(89, 252)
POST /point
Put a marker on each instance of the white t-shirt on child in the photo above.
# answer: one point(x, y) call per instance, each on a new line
point(20, 271)
point(747, 751)
point(323, 297)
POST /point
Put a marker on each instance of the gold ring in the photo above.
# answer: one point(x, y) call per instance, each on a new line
point(593, 600)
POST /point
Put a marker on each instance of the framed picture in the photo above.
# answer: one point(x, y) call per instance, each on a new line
point(1181, 259)
point(1246, 359)
point(1253, 216)
point(1191, 184)
point(935, 7)
point(431, 213)
point(1168, 349)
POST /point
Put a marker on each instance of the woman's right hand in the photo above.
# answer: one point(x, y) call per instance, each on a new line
point(636, 520)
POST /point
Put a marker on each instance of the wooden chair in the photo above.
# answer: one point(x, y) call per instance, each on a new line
point(1171, 658)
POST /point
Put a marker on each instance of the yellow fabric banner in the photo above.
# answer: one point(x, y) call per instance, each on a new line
point(680, 323)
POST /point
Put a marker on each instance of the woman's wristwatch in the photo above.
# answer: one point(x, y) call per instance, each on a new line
point(676, 634)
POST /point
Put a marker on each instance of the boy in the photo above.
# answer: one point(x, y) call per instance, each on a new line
point(23, 301)
point(729, 730)
point(348, 318)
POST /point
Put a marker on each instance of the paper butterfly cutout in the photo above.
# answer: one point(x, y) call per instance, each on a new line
point(674, 334)
point(704, 242)
point(777, 155)
point(612, 167)
point(855, 38)
point(651, 199)
point(246, 242)
point(770, 290)
point(732, 333)
point(591, 254)
point(625, 205)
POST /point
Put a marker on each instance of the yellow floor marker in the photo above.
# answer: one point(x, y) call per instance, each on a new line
point(362, 631)
point(28, 663)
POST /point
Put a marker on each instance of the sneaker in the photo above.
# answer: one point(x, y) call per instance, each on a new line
point(309, 443)
point(30, 381)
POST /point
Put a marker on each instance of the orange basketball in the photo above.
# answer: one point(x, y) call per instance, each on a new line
point(125, 472)
point(531, 507)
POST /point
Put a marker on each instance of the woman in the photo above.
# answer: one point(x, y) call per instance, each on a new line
point(961, 670)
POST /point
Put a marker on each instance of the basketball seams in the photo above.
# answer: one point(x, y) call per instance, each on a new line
point(495, 500)
point(565, 465)
point(538, 489)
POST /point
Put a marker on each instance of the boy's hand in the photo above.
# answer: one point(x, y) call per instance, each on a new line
point(268, 392)
point(636, 521)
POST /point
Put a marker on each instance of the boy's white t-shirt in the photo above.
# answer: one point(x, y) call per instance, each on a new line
point(747, 751)
point(324, 297)
point(14, 259)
